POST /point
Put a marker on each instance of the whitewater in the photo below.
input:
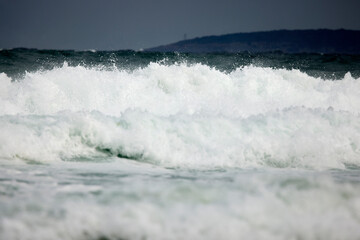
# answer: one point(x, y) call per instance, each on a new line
point(178, 149)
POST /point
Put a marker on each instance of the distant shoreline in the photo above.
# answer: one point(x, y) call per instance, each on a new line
point(287, 41)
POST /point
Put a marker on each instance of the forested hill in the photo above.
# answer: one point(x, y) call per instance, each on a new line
point(288, 41)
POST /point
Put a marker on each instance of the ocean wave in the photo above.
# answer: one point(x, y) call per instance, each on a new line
point(182, 116)
point(292, 138)
point(166, 90)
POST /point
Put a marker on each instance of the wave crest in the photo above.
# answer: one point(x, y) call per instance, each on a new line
point(176, 89)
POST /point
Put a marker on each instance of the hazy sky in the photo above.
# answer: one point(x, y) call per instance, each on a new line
point(135, 24)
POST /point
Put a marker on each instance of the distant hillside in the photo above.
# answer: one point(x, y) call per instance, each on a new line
point(289, 41)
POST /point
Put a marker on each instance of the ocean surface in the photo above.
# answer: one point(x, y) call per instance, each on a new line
point(137, 145)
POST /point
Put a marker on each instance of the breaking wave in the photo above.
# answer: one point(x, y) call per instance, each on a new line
point(182, 116)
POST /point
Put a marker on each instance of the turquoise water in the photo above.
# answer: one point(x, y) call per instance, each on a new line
point(133, 145)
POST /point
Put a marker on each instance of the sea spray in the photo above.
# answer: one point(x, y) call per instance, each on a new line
point(176, 89)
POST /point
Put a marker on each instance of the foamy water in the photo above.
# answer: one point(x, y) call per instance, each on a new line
point(183, 115)
point(176, 89)
point(124, 200)
point(179, 151)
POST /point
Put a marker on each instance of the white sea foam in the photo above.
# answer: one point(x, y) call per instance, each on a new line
point(181, 115)
point(251, 206)
point(168, 90)
point(296, 137)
